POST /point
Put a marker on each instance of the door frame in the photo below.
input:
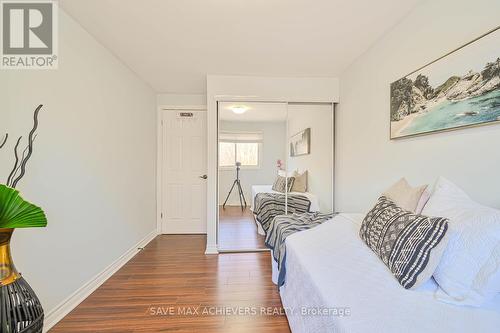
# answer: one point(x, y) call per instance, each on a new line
point(160, 212)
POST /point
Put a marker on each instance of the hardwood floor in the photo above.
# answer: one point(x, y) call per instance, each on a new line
point(172, 275)
point(237, 229)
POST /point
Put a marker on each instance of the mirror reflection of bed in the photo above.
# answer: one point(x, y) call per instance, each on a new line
point(274, 159)
point(253, 134)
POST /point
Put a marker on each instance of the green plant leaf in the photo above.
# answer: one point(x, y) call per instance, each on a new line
point(15, 212)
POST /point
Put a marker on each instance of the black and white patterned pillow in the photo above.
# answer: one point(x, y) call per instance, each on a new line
point(410, 245)
point(280, 184)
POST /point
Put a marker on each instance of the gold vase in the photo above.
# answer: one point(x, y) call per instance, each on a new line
point(8, 272)
point(24, 313)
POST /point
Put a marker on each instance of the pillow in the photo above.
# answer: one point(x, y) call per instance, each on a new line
point(469, 272)
point(404, 195)
point(423, 201)
point(280, 184)
point(300, 182)
point(410, 245)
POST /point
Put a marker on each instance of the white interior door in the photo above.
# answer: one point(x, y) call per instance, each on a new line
point(184, 169)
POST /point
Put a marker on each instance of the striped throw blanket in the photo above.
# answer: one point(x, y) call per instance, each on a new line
point(270, 205)
point(285, 225)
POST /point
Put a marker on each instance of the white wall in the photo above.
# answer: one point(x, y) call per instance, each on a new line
point(367, 161)
point(319, 163)
point(252, 88)
point(273, 148)
point(93, 166)
point(175, 100)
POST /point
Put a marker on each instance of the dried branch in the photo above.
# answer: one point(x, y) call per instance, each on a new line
point(13, 172)
point(22, 157)
point(4, 140)
point(25, 160)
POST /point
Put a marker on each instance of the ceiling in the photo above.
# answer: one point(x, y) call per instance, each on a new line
point(255, 112)
point(172, 45)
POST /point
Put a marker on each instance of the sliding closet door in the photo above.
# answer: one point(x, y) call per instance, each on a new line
point(310, 158)
point(252, 154)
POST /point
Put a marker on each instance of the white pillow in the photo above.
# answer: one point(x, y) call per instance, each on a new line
point(426, 195)
point(469, 271)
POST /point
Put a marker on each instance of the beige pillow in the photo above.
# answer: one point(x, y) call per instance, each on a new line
point(404, 195)
point(300, 183)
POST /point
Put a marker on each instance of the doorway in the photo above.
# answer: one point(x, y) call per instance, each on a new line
point(183, 172)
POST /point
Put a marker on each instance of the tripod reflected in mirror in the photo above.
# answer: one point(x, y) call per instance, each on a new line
point(237, 183)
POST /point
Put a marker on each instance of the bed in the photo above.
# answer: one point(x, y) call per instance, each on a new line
point(269, 189)
point(329, 268)
point(256, 189)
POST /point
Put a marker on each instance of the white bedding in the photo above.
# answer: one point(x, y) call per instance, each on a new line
point(269, 189)
point(329, 267)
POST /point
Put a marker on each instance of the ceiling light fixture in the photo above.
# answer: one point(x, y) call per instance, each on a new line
point(240, 109)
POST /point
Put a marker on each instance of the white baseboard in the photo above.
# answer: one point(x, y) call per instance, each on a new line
point(65, 307)
point(211, 249)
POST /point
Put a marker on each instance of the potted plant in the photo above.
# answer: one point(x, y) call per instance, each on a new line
point(20, 310)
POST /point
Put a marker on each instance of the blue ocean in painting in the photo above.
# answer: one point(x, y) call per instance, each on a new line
point(446, 115)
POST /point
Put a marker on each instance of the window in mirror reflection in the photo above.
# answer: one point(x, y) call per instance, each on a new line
point(240, 147)
point(246, 153)
point(227, 154)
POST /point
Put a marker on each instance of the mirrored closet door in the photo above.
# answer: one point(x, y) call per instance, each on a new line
point(310, 157)
point(252, 139)
point(274, 159)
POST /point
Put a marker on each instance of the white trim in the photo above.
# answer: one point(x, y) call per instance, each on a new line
point(334, 152)
point(183, 107)
point(211, 250)
point(72, 301)
point(159, 164)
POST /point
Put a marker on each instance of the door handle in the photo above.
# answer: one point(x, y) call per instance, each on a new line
point(203, 177)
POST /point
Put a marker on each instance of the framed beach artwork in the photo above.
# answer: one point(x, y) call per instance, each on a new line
point(460, 89)
point(300, 143)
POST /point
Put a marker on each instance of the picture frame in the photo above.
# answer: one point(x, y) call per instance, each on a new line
point(300, 143)
point(458, 90)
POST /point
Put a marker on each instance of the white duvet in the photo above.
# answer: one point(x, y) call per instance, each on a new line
point(329, 267)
